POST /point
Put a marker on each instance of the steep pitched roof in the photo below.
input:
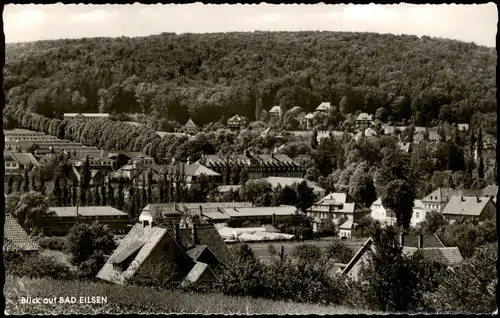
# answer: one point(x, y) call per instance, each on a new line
point(461, 205)
point(196, 272)
point(15, 238)
point(324, 106)
point(309, 116)
point(206, 234)
point(190, 122)
point(20, 157)
point(104, 115)
point(444, 255)
point(141, 240)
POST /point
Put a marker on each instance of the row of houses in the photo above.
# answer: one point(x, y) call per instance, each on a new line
point(343, 211)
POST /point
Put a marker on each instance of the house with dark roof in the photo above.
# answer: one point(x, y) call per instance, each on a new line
point(257, 166)
point(237, 122)
point(65, 218)
point(198, 251)
point(430, 246)
point(340, 209)
point(364, 121)
point(15, 238)
point(472, 208)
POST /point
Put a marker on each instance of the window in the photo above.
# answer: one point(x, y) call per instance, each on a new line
point(417, 215)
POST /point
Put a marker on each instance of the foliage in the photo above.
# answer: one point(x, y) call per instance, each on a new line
point(339, 251)
point(84, 239)
point(471, 286)
point(36, 266)
point(391, 281)
point(31, 211)
point(432, 222)
point(398, 197)
point(307, 253)
point(89, 268)
point(52, 243)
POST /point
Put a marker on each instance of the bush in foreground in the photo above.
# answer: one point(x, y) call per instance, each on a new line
point(36, 266)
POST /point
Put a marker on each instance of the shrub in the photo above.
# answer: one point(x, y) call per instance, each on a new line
point(36, 266)
point(52, 243)
point(83, 240)
point(307, 252)
point(89, 268)
point(338, 251)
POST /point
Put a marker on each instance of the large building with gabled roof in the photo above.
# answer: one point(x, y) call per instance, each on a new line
point(197, 250)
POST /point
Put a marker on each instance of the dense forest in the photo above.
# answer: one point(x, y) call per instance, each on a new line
point(209, 77)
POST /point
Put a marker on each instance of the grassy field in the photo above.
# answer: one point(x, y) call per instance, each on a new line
point(133, 299)
point(261, 249)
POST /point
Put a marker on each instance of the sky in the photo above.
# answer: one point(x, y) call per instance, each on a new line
point(470, 23)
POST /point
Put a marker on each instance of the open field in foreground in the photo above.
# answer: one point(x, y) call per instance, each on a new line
point(133, 299)
point(261, 249)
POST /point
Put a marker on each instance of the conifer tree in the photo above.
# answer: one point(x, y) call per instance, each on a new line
point(65, 194)
point(104, 200)
point(26, 182)
point(10, 183)
point(110, 196)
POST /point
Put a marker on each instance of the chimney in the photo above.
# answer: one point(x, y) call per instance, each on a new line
point(462, 199)
point(402, 239)
point(77, 213)
point(201, 210)
point(420, 240)
point(193, 230)
point(188, 161)
point(274, 219)
point(478, 200)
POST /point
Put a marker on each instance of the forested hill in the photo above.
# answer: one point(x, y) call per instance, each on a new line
point(208, 76)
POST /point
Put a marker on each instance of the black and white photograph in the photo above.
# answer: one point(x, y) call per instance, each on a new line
point(240, 159)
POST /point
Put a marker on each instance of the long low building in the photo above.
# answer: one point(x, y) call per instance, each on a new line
point(66, 217)
point(250, 213)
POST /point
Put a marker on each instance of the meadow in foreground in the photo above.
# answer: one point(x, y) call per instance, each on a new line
point(134, 299)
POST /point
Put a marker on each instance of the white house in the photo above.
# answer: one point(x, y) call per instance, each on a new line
point(378, 212)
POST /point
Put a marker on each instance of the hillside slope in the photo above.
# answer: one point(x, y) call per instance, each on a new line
point(207, 76)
